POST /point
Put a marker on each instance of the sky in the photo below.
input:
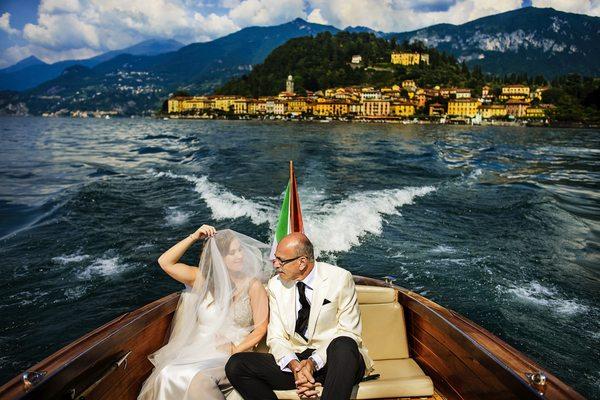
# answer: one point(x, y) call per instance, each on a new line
point(55, 30)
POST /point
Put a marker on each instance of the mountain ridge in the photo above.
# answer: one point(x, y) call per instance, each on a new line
point(29, 76)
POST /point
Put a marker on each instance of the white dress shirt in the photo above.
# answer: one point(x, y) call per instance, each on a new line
point(308, 292)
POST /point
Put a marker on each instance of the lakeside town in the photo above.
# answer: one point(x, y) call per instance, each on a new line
point(404, 102)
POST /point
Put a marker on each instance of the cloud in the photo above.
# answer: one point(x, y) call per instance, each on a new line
point(5, 24)
point(316, 17)
point(82, 28)
point(404, 15)
point(266, 12)
point(589, 7)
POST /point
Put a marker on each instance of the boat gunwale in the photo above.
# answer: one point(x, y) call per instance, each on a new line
point(458, 323)
point(57, 362)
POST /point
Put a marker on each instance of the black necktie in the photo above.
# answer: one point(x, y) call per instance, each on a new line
point(304, 312)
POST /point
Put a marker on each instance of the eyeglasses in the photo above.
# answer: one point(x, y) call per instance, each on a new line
point(284, 262)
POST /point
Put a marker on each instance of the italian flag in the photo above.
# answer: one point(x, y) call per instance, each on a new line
point(290, 216)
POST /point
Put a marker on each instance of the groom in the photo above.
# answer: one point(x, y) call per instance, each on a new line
point(314, 332)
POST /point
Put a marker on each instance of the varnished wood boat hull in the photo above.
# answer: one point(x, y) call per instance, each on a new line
point(464, 360)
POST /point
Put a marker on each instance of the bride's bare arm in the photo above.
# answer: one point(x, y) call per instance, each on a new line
point(259, 302)
point(169, 260)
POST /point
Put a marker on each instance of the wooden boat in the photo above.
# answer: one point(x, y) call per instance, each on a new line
point(460, 359)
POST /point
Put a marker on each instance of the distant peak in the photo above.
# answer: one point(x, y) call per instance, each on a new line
point(299, 21)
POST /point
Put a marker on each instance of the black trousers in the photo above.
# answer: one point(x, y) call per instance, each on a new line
point(256, 375)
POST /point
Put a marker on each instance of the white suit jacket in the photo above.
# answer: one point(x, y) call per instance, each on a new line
point(339, 317)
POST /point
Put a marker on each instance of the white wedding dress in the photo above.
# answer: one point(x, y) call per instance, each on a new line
point(174, 382)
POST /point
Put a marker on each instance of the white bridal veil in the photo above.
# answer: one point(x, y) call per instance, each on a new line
point(215, 312)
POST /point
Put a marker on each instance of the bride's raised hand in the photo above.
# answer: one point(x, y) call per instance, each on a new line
point(204, 231)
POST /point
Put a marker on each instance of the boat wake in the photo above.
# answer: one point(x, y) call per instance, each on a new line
point(224, 204)
point(337, 227)
point(333, 226)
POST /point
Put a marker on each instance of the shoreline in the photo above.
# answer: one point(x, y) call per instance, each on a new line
point(414, 121)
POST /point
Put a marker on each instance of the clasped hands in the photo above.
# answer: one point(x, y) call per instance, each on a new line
point(306, 386)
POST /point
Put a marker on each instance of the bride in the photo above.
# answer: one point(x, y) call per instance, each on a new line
point(223, 310)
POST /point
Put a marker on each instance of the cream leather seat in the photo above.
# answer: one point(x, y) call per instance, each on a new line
point(384, 334)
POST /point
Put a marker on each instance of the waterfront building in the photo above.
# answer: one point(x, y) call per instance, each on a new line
point(297, 106)
point(491, 111)
point(376, 108)
point(289, 85)
point(402, 109)
point(516, 107)
point(535, 112)
point(355, 108)
point(174, 104)
point(463, 107)
point(240, 106)
point(180, 104)
point(279, 107)
point(224, 103)
point(252, 107)
point(436, 110)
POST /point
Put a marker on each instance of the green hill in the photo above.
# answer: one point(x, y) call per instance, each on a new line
point(323, 61)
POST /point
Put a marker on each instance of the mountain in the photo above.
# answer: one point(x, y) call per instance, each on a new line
point(138, 83)
point(204, 66)
point(536, 41)
point(34, 74)
point(361, 29)
point(24, 63)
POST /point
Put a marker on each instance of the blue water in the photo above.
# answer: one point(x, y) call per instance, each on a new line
point(499, 224)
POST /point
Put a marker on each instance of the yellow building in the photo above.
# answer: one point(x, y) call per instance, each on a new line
point(516, 107)
point(174, 104)
point(253, 107)
point(240, 106)
point(297, 106)
point(224, 103)
point(376, 108)
point(409, 58)
point(535, 112)
point(515, 92)
point(492, 111)
point(436, 109)
point(463, 107)
point(330, 108)
point(402, 109)
point(189, 104)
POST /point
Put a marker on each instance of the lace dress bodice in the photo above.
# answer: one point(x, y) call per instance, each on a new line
point(242, 311)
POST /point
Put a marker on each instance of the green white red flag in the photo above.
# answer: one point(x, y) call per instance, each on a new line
point(290, 216)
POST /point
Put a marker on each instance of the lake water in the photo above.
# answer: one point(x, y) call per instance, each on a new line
point(499, 224)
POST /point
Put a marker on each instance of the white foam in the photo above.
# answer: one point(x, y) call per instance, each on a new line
point(224, 204)
point(71, 258)
point(106, 266)
point(333, 227)
point(175, 217)
point(542, 296)
point(442, 248)
point(337, 227)
point(74, 293)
